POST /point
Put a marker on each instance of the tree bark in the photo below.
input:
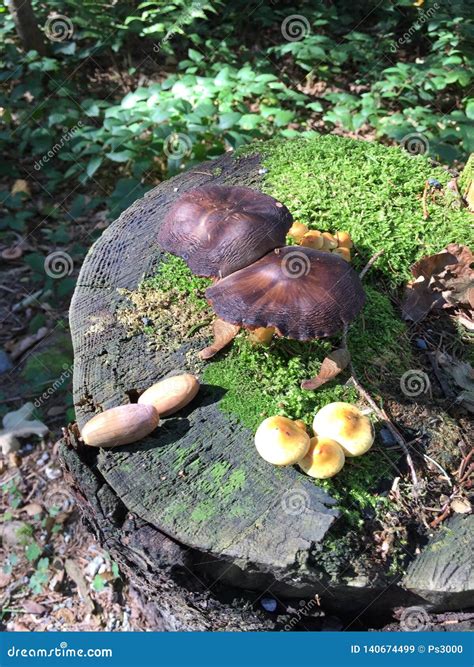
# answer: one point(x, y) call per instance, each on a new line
point(27, 26)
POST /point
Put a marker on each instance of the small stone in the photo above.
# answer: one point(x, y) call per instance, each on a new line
point(147, 322)
point(263, 170)
point(52, 473)
point(387, 437)
point(269, 604)
point(94, 566)
point(421, 344)
point(44, 458)
point(434, 183)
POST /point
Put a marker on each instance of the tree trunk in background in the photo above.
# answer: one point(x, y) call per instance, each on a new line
point(27, 26)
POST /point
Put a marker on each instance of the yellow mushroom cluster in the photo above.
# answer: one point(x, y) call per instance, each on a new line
point(340, 431)
point(339, 243)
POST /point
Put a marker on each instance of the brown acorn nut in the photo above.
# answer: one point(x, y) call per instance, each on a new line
point(171, 394)
point(120, 426)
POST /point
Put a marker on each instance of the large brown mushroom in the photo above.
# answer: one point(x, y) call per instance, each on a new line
point(303, 293)
point(218, 230)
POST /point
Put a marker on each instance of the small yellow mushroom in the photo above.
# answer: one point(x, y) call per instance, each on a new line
point(344, 240)
point(280, 441)
point(261, 335)
point(345, 253)
point(329, 241)
point(297, 231)
point(300, 423)
point(313, 239)
point(325, 458)
point(347, 425)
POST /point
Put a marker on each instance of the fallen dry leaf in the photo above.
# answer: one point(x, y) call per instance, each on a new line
point(27, 342)
point(74, 572)
point(20, 185)
point(443, 280)
point(18, 423)
point(32, 607)
point(12, 253)
point(461, 505)
point(224, 333)
point(461, 375)
point(332, 365)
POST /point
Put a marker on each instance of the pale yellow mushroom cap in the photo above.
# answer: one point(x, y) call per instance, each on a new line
point(262, 335)
point(329, 241)
point(300, 423)
point(312, 239)
point(344, 240)
point(281, 441)
point(297, 231)
point(325, 458)
point(345, 253)
point(346, 424)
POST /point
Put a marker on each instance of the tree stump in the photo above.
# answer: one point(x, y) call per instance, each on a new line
point(201, 526)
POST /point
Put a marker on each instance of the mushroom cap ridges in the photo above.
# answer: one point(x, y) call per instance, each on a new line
point(303, 293)
point(220, 229)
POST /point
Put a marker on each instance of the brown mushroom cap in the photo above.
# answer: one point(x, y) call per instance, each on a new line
point(303, 293)
point(218, 229)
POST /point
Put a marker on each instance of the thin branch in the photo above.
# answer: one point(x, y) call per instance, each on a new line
point(382, 415)
point(370, 263)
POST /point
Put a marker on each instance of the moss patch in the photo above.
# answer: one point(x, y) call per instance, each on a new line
point(374, 192)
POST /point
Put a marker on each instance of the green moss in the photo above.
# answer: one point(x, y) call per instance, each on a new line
point(374, 192)
point(173, 274)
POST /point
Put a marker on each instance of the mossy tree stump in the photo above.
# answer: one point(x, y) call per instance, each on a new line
point(191, 514)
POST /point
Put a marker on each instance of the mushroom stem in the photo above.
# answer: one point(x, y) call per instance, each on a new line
point(382, 415)
point(370, 263)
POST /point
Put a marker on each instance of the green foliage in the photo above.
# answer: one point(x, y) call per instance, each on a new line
point(40, 577)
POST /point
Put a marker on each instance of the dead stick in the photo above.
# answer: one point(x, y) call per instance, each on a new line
point(426, 213)
point(370, 263)
point(380, 412)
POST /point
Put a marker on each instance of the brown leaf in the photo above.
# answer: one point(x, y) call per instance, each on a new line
point(461, 375)
point(332, 365)
point(32, 607)
point(224, 333)
point(20, 185)
point(74, 572)
point(443, 280)
point(32, 509)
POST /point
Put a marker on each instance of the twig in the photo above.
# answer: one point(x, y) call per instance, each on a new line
point(435, 463)
point(380, 412)
point(464, 463)
point(370, 263)
point(426, 213)
point(444, 515)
